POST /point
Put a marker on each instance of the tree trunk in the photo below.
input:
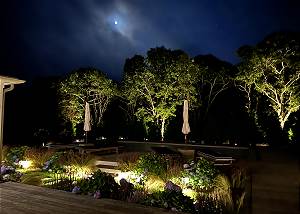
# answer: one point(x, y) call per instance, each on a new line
point(162, 131)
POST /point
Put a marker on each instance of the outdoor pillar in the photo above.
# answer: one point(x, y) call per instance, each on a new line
point(6, 85)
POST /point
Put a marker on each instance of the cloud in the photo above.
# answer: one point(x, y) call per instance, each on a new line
point(47, 38)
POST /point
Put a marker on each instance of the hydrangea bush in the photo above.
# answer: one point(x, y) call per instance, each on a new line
point(151, 163)
point(9, 173)
point(199, 175)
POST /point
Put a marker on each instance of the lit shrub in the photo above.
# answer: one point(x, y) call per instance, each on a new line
point(76, 164)
point(154, 184)
point(34, 178)
point(173, 172)
point(37, 156)
point(5, 151)
point(15, 154)
point(127, 161)
point(172, 200)
point(53, 164)
point(99, 181)
point(200, 175)
point(206, 204)
point(9, 173)
point(152, 164)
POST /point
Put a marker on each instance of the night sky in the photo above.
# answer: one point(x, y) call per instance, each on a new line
point(43, 38)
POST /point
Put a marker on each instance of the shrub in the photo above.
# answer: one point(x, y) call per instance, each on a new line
point(126, 190)
point(15, 154)
point(138, 196)
point(99, 181)
point(127, 161)
point(200, 175)
point(53, 164)
point(63, 183)
point(173, 200)
point(34, 178)
point(5, 151)
point(154, 184)
point(76, 164)
point(206, 204)
point(174, 171)
point(152, 164)
point(230, 191)
point(9, 173)
point(38, 156)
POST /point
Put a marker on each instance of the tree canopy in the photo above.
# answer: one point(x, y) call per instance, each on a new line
point(272, 68)
point(85, 85)
point(158, 84)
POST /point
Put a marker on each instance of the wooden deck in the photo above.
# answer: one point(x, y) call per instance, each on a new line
point(18, 198)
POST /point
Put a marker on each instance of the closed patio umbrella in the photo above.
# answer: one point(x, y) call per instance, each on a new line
point(186, 127)
point(87, 120)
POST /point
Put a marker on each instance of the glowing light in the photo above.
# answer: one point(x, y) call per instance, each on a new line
point(116, 22)
point(123, 175)
point(25, 164)
point(185, 180)
point(129, 177)
point(78, 172)
point(190, 193)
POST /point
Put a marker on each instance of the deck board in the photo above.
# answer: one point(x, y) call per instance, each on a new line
point(16, 198)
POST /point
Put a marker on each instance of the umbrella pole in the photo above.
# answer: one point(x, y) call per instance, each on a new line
point(86, 138)
point(185, 138)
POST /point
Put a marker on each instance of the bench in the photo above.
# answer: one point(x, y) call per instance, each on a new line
point(217, 158)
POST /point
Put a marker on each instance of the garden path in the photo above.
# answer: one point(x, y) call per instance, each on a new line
point(16, 198)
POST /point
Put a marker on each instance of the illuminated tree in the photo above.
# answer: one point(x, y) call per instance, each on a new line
point(158, 84)
point(272, 68)
point(85, 85)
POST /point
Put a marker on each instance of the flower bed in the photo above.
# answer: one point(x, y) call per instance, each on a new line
point(149, 179)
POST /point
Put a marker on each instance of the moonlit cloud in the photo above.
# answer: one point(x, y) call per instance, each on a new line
point(47, 38)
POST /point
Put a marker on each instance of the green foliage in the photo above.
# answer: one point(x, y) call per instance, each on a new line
point(38, 157)
point(53, 164)
point(127, 161)
point(208, 205)
point(155, 86)
point(169, 200)
point(5, 150)
point(99, 181)
point(15, 154)
point(272, 69)
point(151, 163)
point(78, 161)
point(231, 191)
point(201, 175)
point(85, 85)
point(62, 183)
point(34, 177)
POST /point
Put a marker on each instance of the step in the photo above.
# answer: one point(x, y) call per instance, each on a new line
point(110, 171)
point(106, 163)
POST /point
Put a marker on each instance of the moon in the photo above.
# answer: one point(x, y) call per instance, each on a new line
point(116, 22)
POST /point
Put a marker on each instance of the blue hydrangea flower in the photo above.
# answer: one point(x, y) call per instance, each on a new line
point(76, 190)
point(170, 186)
point(97, 194)
point(3, 170)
